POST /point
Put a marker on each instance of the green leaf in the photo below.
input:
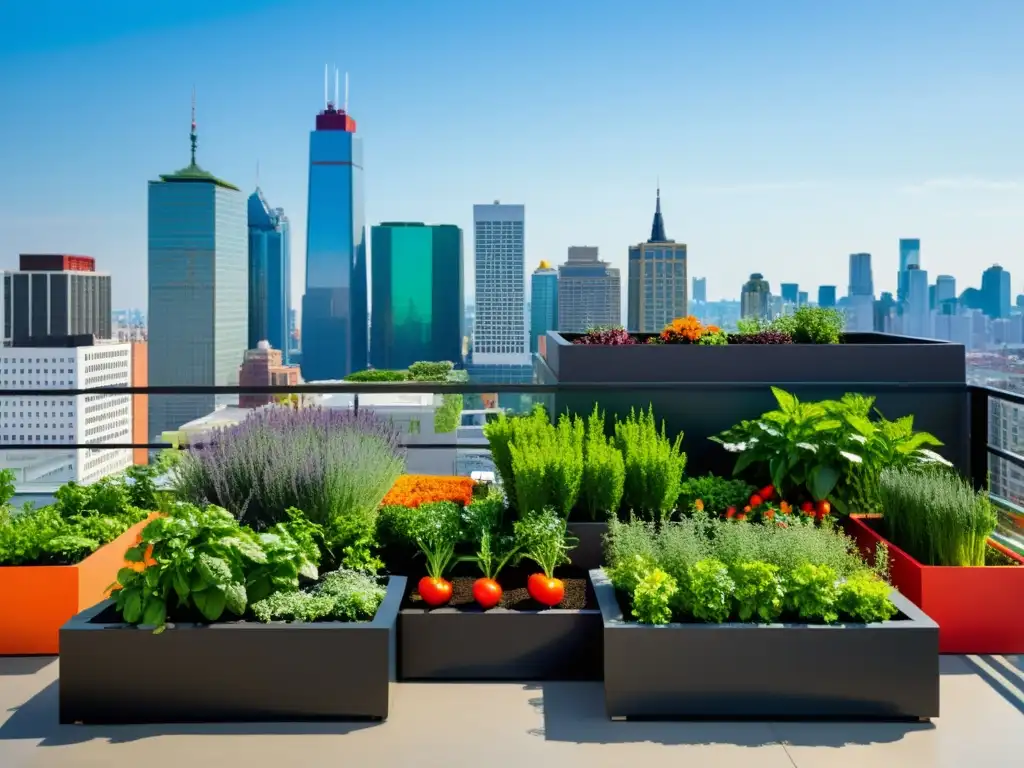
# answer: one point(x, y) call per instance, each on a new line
point(181, 586)
point(132, 607)
point(215, 570)
point(246, 547)
point(210, 602)
point(822, 480)
point(787, 402)
point(308, 570)
point(135, 554)
point(126, 576)
point(861, 424)
point(235, 598)
point(778, 467)
point(743, 461)
point(827, 425)
point(155, 614)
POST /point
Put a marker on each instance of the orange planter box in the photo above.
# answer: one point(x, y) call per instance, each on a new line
point(979, 609)
point(37, 600)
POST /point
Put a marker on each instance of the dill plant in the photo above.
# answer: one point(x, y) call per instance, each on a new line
point(936, 517)
point(604, 471)
point(653, 465)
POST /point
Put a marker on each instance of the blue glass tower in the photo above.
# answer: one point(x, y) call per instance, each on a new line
point(995, 292)
point(826, 295)
point(910, 257)
point(270, 285)
point(335, 325)
point(543, 303)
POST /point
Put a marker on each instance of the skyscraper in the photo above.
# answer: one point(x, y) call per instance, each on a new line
point(55, 295)
point(756, 298)
point(589, 292)
point(790, 292)
point(499, 335)
point(418, 307)
point(917, 312)
point(995, 292)
point(826, 295)
point(700, 290)
point(657, 287)
point(543, 303)
point(335, 335)
point(270, 270)
point(861, 283)
point(945, 289)
point(802, 298)
point(910, 256)
point(198, 289)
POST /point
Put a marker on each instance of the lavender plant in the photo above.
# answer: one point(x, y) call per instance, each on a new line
point(335, 465)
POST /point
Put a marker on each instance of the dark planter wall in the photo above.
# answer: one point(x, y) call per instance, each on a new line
point(720, 386)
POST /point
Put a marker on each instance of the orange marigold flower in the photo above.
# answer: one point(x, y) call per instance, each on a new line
point(699, 504)
point(413, 490)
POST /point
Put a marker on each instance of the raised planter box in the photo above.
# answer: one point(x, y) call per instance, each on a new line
point(978, 609)
point(37, 600)
point(888, 670)
point(726, 384)
point(453, 643)
point(231, 672)
point(589, 553)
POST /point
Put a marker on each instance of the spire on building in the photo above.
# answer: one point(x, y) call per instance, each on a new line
point(193, 172)
point(658, 226)
point(192, 136)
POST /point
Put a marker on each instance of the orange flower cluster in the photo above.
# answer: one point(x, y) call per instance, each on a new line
point(413, 490)
point(686, 330)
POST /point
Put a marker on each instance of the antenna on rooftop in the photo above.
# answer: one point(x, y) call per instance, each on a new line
point(327, 101)
point(346, 93)
point(336, 102)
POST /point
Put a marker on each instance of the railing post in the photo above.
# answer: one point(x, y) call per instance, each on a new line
point(978, 436)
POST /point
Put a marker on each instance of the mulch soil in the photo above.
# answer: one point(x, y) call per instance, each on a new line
point(579, 594)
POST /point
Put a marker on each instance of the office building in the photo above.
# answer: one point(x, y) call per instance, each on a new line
point(270, 275)
point(916, 311)
point(335, 332)
point(264, 367)
point(802, 298)
point(700, 290)
point(61, 363)
point(657, 287)
point(589, 292)
point(500, 335)
point(826, 295)
point(198, 289)
point(861, 282)
point(790, 292)
point(756, 298)
point(995, 292)
point(543, 303)
point(910, 257)
point(418, 299)
point(55, 295)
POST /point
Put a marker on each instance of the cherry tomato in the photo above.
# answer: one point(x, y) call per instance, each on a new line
point(756, 500)
point(487, 592)
point(434, 592)
point(807, 507)
point(545, 591)
point(767, 492)
point(824, 508)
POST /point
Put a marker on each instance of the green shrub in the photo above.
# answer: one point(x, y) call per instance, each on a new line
point(759, 593)
point(652, 597)
point(811, 592)
point(716, 493)
point(376, 376)
point(711, 590)
point(812, 325)
point(431, 371)
point(341, 595)
point(653, 465)
point(865, 599)
point(937, 518)
point(604, 470)
point(547, 464)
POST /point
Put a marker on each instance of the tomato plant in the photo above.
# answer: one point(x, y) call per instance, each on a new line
point(545, 541)
point(437, 528)
point(495, 548)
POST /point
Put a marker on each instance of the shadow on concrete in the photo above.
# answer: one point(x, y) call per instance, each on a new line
point(574, 712)
point(1003, 675)
point(24, 665)
point(36, 720)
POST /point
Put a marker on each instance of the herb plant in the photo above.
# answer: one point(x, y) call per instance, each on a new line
point(711, 590)
point(545, 540)
point(653, 465)
point(496, 548)
point(652, 598)
point(437, 529)
point(759, 593)
point(547, 462)
point(604, 471)
point(811, 592)
point(716, 494)
point(341, 595)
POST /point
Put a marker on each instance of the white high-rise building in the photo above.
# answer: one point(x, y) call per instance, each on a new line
point(500, 335)
point(64, 419)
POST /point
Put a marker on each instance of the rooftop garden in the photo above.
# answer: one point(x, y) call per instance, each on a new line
point(449, 411)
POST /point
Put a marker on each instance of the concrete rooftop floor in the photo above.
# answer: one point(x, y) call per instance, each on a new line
point(560, 725)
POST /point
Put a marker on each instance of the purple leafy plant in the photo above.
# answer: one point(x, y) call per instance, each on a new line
point(606, 337)
point(767, 336)
point(333, 464)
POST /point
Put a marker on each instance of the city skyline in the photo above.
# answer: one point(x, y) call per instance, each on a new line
point(957, 186)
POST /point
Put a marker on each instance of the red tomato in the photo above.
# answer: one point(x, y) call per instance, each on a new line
point(756, 500)
point(807, 506)
point(545, 591)
point(767, 492)
point(434, 592)
point(824, 508)
point(730, 512)
point(487, 592)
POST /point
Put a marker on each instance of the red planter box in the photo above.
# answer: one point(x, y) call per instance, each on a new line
point(978, 609)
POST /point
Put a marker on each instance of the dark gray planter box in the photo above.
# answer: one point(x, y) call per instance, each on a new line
point(589, 553)
point(887, 671)
point(722, 385)
point(233, 672)
point(452, 644)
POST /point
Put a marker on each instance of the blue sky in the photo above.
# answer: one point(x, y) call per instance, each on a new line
point(786, 135)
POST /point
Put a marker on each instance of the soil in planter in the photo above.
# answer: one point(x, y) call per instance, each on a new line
point(579, 594)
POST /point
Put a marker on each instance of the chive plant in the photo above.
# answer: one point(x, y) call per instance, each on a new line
point(936, 517)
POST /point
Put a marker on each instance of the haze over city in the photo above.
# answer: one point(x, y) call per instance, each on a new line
point(777, 149)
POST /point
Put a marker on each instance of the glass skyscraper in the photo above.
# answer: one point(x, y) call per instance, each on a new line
point(335, 335)
point(270, 284)
point(500, 335)
point(910, 257)
point(861, 282)
point(995, 292)
point(543, 303)
point(418, 310)
point(826, 296)
point(198, 290)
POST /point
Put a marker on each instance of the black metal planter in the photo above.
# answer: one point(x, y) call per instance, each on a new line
point(232, 672)
point(885, 671)
point(471, 644)
point(719, 386)
point(589, 552)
